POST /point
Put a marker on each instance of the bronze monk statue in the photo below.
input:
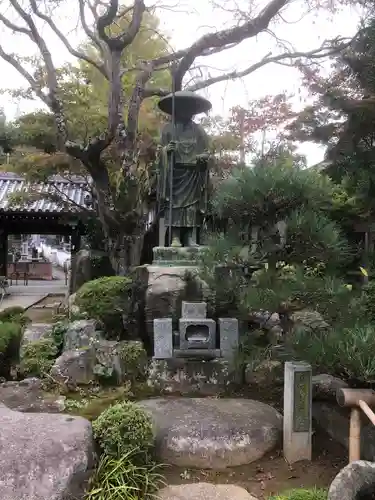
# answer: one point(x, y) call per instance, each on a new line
point(183, 150)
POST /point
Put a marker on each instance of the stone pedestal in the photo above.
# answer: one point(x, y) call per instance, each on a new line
point(191, 377)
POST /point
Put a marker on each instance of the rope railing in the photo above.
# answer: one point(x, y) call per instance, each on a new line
point(356, 400)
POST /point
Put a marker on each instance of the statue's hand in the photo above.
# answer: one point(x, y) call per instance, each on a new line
point(203, 157)
point(171, 147)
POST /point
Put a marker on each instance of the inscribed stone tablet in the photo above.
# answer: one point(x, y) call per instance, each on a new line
point(302, 402)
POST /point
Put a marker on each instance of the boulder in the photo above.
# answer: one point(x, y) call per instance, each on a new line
point(353, 482)
point(309, 320)
point(89, 265)
point(325, 386)
point(212, 433)
point(36, 331)
point(44, 456)
point(28, 396)
point(335, 421)
point(204, 491)
point(81, 333)
point(167, 287)
point(75, 367)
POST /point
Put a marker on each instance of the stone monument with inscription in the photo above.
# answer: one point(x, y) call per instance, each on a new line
point(297, 411)
point(199, 356)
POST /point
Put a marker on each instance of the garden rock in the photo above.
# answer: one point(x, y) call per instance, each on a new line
point(28, 396)
point(309, 320)
point(356, 480)
point(81, 333)
point(166, 287)
point(335, 421)
point(74, 367)
point(72, 306)
point(108, 360)
point(204, 491)
point(325, 386)
point(44, 456)
point(36, 331)
point(212, 433)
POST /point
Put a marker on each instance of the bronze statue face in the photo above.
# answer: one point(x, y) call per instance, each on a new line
point(183, 115)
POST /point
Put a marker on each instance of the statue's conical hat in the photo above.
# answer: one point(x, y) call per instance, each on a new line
point(185, 99)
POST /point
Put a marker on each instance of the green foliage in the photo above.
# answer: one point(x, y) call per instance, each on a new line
point(122, 428)
point(107, 300)
point(38, 357)
point(270, 192)
point(344, 352)
point(10, 340)
point(134, 358)
point(258, 198)
point(302, 494)
point(124, 479)
point(58, 331)
point(290, 288)
point(15, 314)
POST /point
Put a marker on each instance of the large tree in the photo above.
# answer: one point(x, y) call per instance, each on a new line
point(112, 29)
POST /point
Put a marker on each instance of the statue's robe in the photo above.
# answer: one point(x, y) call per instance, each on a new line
point(190, 178)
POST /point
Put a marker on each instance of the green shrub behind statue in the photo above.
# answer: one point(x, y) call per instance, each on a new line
point(108, 300)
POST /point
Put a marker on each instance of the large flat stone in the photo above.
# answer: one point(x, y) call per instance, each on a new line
point(213, 433)
point(43, 456)
point(204, 491)
point(28, 396)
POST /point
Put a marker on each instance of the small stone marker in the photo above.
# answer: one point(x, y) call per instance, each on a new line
point(229, 337)
point(297, 411)
point(163, 338)
point(194, 310)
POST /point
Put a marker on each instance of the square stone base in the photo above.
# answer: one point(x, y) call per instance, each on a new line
point(191, 377)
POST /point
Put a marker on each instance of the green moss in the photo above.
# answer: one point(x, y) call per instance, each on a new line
point(134, 358)
point(38, 358)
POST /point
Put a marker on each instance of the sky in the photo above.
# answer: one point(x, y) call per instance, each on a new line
point(190, 20)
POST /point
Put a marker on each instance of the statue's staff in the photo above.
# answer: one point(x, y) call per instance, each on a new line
point(172, 154)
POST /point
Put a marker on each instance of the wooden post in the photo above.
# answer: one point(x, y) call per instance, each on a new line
point(355, 435)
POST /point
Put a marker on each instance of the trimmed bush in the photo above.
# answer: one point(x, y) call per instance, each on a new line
point(10, 341)
point(117, 478)
point(14, 314)
point(134, 359)
point(124, 427)
point(302, 494)
point(107, 300)
point(38, 357)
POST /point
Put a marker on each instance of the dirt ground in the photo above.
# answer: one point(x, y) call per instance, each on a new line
point(271, 474)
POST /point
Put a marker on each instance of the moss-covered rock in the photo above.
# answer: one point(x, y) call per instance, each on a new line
point(38, 357)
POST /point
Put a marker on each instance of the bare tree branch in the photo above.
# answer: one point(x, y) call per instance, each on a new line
point(321, 52)
point(232, 35)
point(14, 27)
point(76, 53)
point(11, 59)
point(119, 42)
point(89, 32)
